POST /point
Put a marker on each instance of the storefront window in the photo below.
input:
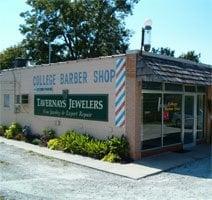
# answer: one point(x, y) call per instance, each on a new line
point(200, 116)
point(172, 116)
point(152, 111)
point(172, 119)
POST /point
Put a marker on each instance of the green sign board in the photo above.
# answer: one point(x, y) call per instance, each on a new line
point(76, 106)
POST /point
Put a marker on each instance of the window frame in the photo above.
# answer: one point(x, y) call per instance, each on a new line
point(162, 92)
point(6, 100)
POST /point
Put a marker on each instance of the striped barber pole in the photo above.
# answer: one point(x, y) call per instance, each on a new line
point(120, 92)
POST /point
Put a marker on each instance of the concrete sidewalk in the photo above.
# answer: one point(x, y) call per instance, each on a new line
point(140, 169)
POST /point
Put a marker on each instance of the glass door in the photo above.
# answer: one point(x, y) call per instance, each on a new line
point(189, 138)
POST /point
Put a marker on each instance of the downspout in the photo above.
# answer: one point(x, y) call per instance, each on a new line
point(14, 93)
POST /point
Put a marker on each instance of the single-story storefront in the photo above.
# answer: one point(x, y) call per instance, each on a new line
point(159, 103)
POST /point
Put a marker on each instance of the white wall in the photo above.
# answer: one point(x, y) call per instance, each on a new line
point(24, 85)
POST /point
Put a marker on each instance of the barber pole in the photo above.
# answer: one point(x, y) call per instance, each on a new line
point(120, 99)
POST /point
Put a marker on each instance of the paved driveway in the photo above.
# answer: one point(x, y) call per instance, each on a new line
point(26, 175)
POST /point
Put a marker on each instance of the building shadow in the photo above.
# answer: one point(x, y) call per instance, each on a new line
point(195, 162)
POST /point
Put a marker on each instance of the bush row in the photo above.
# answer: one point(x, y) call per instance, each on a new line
point(17, 132)
point(113, 149)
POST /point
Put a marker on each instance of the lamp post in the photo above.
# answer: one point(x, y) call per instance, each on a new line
point(146, 35)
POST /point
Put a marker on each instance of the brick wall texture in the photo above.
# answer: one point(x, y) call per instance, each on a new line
point(133, 107)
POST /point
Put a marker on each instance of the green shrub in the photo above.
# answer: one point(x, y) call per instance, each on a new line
point(48, 134)
point(111, 157)
point(119, 146)
point(13, 130)
point(9, 134)
point(5, 127)
point(74, 142)
point(16, 127)
point(55, 144)
point(36, 141)
point(2, 130)
point(113, 149)
point(96, 148)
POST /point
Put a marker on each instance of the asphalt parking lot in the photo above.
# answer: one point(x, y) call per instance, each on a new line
point(27, 175)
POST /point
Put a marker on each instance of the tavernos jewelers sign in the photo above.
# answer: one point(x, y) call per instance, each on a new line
point(76, 106)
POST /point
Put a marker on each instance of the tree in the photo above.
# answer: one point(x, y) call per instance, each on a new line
point(9, 55)
point(77, 28)
point(163, 51)
point(191, 55)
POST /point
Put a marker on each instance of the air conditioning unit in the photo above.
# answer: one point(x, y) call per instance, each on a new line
point(17, 108)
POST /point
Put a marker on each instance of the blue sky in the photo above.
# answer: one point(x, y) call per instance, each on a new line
point(182, 25)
